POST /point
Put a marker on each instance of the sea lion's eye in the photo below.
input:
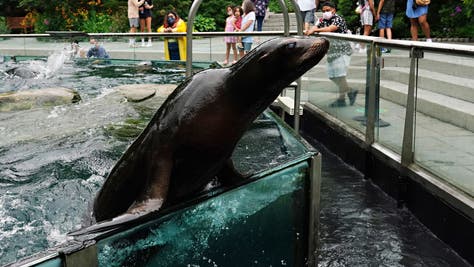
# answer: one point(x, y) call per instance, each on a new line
point(291, 45)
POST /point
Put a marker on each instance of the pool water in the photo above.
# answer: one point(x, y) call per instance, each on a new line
point(53, 160)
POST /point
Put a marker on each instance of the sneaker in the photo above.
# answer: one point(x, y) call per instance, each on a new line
point(338, 103)
point(385, 50)
point(149, 44)
point(225, 62)
point(352, 96)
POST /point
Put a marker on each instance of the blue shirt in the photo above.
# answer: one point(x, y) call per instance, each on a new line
point(98, 52)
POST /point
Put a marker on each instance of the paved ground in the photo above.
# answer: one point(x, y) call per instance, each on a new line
point(441, 147)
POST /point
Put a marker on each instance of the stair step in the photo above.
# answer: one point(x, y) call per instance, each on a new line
point(449, 109)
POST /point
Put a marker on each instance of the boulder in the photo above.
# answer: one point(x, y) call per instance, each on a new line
point(28, 99)
point(141, 92)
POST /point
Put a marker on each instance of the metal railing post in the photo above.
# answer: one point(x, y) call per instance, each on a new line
point(407, 156)
point(371, 99)
point(189, 37)
point(314, 208)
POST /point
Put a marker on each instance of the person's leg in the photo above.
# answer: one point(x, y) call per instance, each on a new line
point(148, 27)
point(134, 24)
point(414, 29)
point(342, 85)
point(173, 50)
point(247, 47)
point(142, 29)
point(241, 51)
point(382, 33)
point(425, 27)
point(234, 49)
point(227, 53)
point(260, 22)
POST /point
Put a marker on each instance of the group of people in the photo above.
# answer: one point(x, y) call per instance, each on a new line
point(339, 54)
point(384, 15)
point(243, 19)
point(139, 15)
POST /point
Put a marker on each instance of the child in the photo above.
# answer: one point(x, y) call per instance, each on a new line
point(230, 40)
point(238, 11)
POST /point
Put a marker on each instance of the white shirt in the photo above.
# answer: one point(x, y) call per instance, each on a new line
point(248, 17)
point(306, 5)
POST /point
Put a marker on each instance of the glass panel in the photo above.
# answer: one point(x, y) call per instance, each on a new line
point(394, 77)
point(334, 77)
point(238, 226)
point(444, 142)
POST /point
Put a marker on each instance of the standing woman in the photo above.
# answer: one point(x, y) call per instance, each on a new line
point(260, 12)
point(145, 19)
point(367, 16)
point(248, 23)
point(175, 47)
point(418, 16)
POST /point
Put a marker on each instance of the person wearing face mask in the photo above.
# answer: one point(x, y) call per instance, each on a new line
point(175, 47)
point(338, 55)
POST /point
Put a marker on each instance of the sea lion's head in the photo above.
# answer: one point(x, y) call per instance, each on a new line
point(277, 62)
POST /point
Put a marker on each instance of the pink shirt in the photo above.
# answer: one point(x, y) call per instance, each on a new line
point(133, 6)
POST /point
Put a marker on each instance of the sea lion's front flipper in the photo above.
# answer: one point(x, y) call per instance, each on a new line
point(158, 184)
point(228, 175)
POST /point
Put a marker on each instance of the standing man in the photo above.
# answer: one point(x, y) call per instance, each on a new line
point(307, 8)
point(384, 17)
point(134, 18)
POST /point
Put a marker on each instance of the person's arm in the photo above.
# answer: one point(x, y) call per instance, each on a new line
point(233, 23)
point(138, 3)
point(148, 6)
point(379, 9)
point(89, 53)
point(247, 25)
point(371, 6)
point(180, 26)
point(330, 28)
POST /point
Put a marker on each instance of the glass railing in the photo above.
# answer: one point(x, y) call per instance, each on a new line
point(422, 105)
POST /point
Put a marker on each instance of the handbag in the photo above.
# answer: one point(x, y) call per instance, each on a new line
point(422, 2)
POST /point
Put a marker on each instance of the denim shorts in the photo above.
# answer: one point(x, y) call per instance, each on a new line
point(308, 16)
point(386, 20)
point(246, 46)
point(134, 22)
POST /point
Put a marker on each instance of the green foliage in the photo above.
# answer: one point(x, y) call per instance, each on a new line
point(3, 26)
point(204, 24)
point(97, 23)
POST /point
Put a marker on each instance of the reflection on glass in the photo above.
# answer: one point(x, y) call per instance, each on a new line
point(342, 75)
point(444, 141)
point(394, 78)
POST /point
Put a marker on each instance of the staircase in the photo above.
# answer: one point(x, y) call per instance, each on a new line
point(445, 83)
point(275, 22)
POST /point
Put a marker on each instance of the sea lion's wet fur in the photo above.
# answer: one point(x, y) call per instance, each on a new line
point(192, 135)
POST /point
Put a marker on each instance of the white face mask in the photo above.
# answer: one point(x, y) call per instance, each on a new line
point(327, 15)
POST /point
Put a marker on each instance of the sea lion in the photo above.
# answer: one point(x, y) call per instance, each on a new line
point(23, 72)
point(190, 139)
